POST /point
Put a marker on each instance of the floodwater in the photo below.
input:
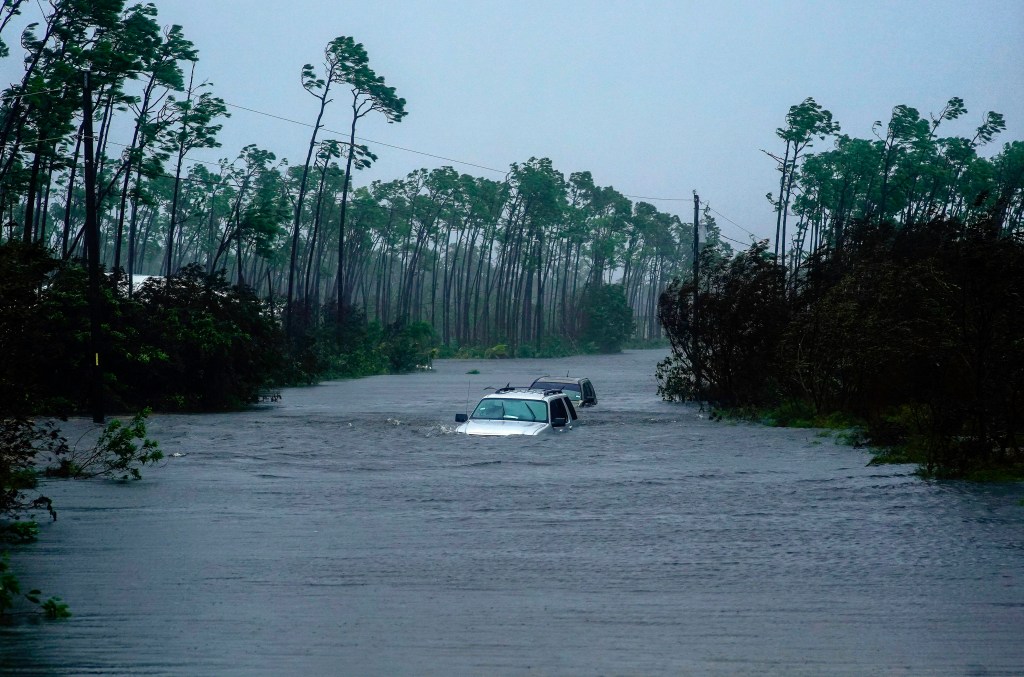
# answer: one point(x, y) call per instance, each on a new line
point(345, 530)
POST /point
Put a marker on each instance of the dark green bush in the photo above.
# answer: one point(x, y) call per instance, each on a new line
point(916, 331)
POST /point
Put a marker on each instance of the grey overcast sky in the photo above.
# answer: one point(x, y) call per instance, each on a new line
point(657, 98)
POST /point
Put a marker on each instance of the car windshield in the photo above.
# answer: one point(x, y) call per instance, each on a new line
point(511, 409)
point(570, 389)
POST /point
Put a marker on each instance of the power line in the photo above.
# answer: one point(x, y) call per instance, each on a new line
point(726, 237)
point(423, 153)
point(732, 222)
point(379, 143)
point(412, 150)
point(365, 140)
point(659, 199)
point(26, 94)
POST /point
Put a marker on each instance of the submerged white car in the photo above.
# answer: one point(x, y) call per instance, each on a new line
point(519, 411)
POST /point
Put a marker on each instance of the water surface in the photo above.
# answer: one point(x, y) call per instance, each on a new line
point(347, 530)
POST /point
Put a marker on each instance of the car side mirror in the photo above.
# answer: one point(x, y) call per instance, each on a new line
point(558, 422)
point(461, 418)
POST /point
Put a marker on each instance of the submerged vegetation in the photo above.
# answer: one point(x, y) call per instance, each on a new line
point(26, 447)
point(899, 306)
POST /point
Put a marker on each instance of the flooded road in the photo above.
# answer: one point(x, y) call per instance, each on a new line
point(345, 530)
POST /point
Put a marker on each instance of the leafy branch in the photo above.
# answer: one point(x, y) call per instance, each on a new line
point(119, 453)
point(10, 588)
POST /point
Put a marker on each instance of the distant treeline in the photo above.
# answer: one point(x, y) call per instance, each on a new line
point(534, 262)
point(899, 304)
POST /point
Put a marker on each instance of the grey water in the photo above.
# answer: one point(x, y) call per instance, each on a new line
point(346, 530)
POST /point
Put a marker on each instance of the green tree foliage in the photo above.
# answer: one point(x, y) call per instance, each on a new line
point(804, 123)
point(10, 589)
point(369, 95)
point(193, 128)
point(119, 453)
point(920, 334)
point(21, 440)
point(607, 318)
point(335, 60)
point(215, 345)
point(898, 305)
point(908, 173)
point(917, 331)
point(483, 262)
point(742, 316)
point(189, 342)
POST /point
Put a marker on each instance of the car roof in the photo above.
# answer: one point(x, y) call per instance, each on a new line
point(560, 379)
point(523, 393)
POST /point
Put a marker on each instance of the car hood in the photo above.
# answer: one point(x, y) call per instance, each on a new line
point(485, 427)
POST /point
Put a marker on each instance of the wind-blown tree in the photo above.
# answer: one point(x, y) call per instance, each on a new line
point(115, 47)
point(328, 188)
point(262, 229)
point(194, 129)
point(38, 112)
point(369, 94)
point(20, 99)
point(908, 175)
point(256, 165)
point(336, 55)
point(9, 10)
point(804, 122)
point(162, 75)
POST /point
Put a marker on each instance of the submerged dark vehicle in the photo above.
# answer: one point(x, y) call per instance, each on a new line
point(580, 390)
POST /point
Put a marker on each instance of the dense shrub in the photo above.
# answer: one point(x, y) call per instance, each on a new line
point(36, 334)
point(357, 348)
point(212, 346)
point(916, 330)
point(188, 342)
point(740, 319)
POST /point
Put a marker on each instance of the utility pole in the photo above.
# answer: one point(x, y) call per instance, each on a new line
point(696, 295)
point(92, 247)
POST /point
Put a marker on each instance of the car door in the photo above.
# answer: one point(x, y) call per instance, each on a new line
point(589, 394)
point(558, 410)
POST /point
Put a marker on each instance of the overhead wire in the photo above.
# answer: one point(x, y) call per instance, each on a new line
point(424, 153)
point(732, 222)
point(473, 164)
point(393, 146)
point(405, 149)
point(41, 91)
point(367, 140)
